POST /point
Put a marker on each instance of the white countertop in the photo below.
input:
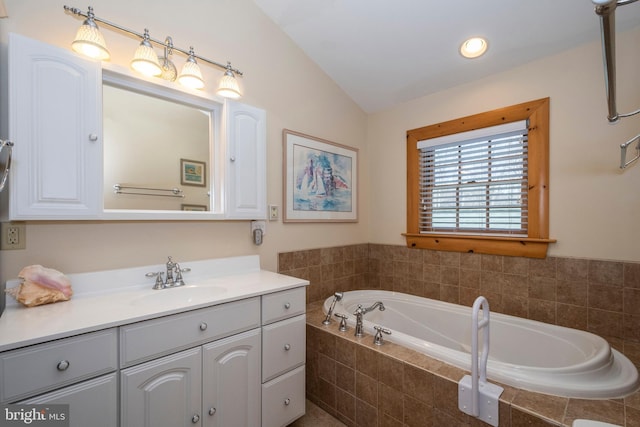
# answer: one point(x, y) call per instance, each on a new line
point(99, 302)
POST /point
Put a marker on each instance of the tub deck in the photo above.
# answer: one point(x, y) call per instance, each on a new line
point(361, 383)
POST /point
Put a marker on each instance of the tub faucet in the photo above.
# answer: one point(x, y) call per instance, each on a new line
point(336, 297)
point(360, 312)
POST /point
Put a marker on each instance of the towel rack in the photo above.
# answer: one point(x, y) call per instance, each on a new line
point(606, 10)
point(623, 152)
point(145, 191)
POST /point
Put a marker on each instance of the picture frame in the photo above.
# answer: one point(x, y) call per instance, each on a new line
point(320, 180)
point(193, 172)
point(193, 208)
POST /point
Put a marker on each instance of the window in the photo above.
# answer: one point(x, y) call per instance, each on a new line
point(480, 183)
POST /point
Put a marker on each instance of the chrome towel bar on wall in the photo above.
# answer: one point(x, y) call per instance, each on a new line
point(146, 191)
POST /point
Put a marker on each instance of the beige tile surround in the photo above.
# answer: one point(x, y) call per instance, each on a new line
point(595, 295)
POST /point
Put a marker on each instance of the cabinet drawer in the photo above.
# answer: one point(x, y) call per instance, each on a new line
point(46, 366)
point(280, 305)
point(91, 403)
point(283, 399)
point(283, 346)
point(151, 338)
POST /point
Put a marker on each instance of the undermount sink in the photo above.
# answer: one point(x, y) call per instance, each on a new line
point(178, 295)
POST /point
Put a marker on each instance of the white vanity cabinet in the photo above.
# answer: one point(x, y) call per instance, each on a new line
point(211, 385)
point(79, 371)
point(55, 121)
point(283, 357)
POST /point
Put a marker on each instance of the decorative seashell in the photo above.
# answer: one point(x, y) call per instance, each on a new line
point(47, 277)
point(41, 286)
point(31, 294)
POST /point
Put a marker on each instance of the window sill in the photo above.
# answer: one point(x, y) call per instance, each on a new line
point(493, 245)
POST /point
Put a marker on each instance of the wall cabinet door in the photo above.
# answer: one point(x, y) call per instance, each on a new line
point(231, 394)
point(91, 403)
point(245, 161)
point(165, 392)
point(55, 110)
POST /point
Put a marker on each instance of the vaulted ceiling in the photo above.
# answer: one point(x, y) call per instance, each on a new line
point(383, 52)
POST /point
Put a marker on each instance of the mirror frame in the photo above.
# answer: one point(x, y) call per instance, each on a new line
point(122, 79)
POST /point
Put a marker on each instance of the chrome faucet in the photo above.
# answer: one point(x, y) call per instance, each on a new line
point(170, 281)
point(169, 277)
point(336, 297)
point(360, 312)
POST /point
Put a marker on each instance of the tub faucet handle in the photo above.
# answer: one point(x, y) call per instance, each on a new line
point(343, 321)
point(377, 339)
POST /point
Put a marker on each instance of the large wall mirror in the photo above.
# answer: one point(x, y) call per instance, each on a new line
point(159, 146)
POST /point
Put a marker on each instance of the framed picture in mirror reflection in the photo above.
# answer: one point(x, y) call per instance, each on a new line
point(193, 172)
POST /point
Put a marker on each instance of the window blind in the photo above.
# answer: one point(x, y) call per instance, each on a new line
point(475, 182)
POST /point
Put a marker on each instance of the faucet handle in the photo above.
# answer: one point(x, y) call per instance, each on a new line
point(159, 283)
point(343, 321)
point(179, 271)
point(377, 339)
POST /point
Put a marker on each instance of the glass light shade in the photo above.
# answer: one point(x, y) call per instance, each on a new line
point(190, 76)
point(228, 86)
point(145, 60)
point(90, 42)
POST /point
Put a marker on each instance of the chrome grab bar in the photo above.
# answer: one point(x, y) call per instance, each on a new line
point(121, 189)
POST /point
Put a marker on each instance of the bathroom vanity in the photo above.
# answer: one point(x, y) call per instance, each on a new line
point(226, 349)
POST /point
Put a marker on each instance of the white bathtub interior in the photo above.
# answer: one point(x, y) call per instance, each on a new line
point(524, 353)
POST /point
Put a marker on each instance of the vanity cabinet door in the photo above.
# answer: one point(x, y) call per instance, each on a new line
point(245, 162)
point(55, 110)
point(165, 392)
point(231, 394)
point(91, 403)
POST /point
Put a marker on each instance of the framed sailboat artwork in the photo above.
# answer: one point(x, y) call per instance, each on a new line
point(320, 180)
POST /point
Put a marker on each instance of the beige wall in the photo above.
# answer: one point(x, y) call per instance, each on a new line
point(594, 207)
point(278, 77)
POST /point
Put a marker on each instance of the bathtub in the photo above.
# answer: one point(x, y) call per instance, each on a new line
point(523, 353)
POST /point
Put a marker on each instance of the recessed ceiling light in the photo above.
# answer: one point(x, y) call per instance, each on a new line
point(473, 47)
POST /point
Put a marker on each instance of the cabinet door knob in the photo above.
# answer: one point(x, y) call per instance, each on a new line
point(203, 326)
point(287, 305)
point(63, 365)
point(287, 401)
point(195, 418)
point(287, 347)
point(212, 410)
point(93, 137)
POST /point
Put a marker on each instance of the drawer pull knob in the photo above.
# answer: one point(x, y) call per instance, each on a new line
point(287, 347)
point(203, 326)
point(287, 305)
point(287, 401)
point(212, 410)
point(63, 365)
point(195, 418)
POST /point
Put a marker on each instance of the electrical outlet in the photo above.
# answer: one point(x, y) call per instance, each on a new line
point(13, 235)
point(273, 212)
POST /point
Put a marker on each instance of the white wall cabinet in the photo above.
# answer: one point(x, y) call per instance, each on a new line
point(246, 160)
point(55, 121)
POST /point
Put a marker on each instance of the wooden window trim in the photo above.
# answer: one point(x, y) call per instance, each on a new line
point(536, 243)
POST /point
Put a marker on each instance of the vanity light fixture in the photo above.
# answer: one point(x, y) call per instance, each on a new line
point(191, 76)
point(473, 47)
point(90, 42)
point(145, 60)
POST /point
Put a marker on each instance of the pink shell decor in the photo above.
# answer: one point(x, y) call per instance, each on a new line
point(40, 286)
